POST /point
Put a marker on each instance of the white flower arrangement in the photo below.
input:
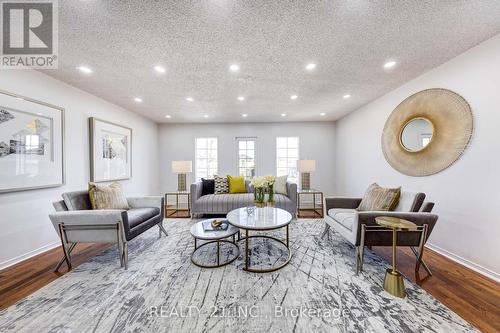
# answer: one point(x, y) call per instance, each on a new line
point(263, 181)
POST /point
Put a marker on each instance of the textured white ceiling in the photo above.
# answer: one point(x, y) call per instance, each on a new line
point(272, 41)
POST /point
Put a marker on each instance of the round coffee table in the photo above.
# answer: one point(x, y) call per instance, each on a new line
point(213, 237)
point(262, 219)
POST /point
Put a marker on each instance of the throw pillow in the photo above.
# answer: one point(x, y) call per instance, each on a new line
point(236, 184)
point(379, 198)
point(107, 196)
point(280, 185)
point(221, 185)
point(207, 186)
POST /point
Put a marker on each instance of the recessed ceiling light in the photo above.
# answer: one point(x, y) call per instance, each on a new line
point(205, 116)
point(322, 114)
point(138, 99)
point(168, 116)
point(283, 114)
point(241, 98)
point(346, 96)
point(189, 99)
point(234, 68)
point(294, 97)
point(244, 115)
point(310, 67)
point(85, 69)
point(390, 64)
point(160, 69)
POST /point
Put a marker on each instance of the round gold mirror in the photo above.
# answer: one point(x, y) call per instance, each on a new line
point(416, 134)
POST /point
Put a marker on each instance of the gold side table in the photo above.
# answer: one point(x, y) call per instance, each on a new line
point(177, 205)
point(393, 281)
point(312, 209)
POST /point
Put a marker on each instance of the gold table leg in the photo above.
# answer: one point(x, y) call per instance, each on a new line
point(394, 282)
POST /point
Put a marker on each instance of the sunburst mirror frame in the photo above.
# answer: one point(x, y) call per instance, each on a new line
point(452, 122)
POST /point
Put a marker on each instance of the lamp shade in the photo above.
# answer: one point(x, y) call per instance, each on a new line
point(182, 166)
point(306, 165)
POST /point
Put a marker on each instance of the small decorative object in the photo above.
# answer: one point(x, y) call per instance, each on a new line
point(216, 223)
point(263, 190)
point(250, 210)
point(305, 168)
point(181, 168)
point(427, 132)
point(110, 151)
point(31, 144)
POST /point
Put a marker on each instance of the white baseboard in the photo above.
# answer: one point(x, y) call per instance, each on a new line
point(465, 262)
point(28, 255)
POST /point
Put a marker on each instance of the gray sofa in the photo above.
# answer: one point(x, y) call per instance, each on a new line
point(224, 203)
point(76, 222)
point(360, 228)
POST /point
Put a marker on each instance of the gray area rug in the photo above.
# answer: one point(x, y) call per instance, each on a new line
point(162, 291)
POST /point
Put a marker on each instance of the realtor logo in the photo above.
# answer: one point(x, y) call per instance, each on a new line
point(29, 34)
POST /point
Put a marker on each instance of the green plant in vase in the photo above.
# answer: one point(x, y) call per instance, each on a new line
point(263, 190)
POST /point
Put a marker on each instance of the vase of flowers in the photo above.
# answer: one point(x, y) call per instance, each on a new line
point(263, 190)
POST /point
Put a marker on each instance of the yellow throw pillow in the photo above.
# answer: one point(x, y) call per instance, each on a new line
point(107, 196)
point(236, 184)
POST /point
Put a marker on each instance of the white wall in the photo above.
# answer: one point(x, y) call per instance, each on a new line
point(25, 227)
point(315, 140)
point(467, 195)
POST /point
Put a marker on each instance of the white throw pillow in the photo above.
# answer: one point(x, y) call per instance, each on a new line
point(280, 185)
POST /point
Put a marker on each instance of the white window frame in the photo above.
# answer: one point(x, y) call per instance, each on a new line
point(198, 177)
point(237, 147)
point(296, 179)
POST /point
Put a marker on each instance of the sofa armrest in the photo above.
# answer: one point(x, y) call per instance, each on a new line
point(291, 190)
point(341, 202)
point(196, 190)
point(88, 217)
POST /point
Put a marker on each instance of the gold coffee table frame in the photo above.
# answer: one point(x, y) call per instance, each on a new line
point(393, 281)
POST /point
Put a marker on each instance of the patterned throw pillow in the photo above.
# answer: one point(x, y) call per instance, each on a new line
point(279, 186)
point(379, 198)
point(221, 185)
point(107, 196)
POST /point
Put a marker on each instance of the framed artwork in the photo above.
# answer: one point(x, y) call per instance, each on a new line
point(31, 144)
point(110, 151)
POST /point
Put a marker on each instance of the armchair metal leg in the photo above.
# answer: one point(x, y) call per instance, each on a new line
point(420, 252)
point(64, 243)
point(125, 254)
point(361, 252)
point(59, 264)
point(326, 231)
point(162, 229)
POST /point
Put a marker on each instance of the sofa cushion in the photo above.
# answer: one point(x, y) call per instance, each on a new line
point(280, 185)
point(136, 216)
point(107, 196)
point(380, 199)
point(221, 185)
point(410, 201)
point(345, 217)
point(236, 184)
point(207, 186)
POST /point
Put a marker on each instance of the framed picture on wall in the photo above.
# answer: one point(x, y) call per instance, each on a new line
point(110, 151)
point(31, 144)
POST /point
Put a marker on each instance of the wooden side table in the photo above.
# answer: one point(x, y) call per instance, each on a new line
point(177, 205)
point(307, 209)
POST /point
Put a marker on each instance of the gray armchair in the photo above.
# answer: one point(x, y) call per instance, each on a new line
point(360, 228)
point(76, 222)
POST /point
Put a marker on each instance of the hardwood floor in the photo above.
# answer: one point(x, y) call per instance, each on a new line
point(471, 295)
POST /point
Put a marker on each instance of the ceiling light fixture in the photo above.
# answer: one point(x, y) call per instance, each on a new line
point(168, 116)
point(138, 99)
point(310, 67)
point(294, 97)
point(241, 98)
point(234, 68)
point(205, 116)
point(389, 64)
point(346, 96)
point(160, 69)
point(244, 115)
point(322, 114)
point(283, 114)
point(85, 69)
point(189, 99)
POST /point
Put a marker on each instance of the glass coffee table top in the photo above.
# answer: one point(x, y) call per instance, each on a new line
point(266, 218)
point(198, 232)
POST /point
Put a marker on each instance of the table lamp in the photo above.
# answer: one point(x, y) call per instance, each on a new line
point(305, 168)
point(181, 168)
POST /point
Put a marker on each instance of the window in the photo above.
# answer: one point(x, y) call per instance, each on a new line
point(287, 155)
point(246, 157)
point(205, 157)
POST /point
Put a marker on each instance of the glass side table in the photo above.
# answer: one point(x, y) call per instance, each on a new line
point(310, 204)
point(177, 205)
